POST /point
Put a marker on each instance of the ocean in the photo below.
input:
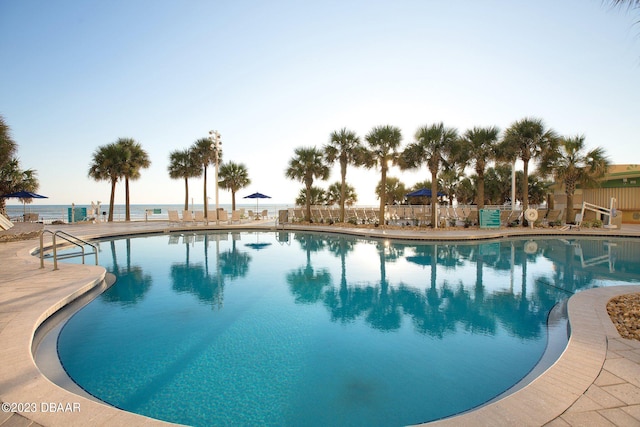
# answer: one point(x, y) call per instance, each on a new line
point(142, 212)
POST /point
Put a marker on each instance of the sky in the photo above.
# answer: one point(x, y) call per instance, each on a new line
point(275, 75)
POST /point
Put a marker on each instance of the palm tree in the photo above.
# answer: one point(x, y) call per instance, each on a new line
point(318, 196)
point(233, 177)
point(13, 179)
point(448, 181)
point(433, 144)
point(466, 191)
point(344, 146)
point(394, 192)
point(526, 139)
point(108, 164)
point(307, 165)
point(572, 166)
point(383, 143)
point(135, 159)
point(183, 164)
point(477, 147)
point(335, 193)
point(205, 154)
point(8, 146)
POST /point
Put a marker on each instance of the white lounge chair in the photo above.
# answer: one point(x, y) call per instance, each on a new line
point(199, 217)
point(235, 216)
point(5, 223)
point(186, 216)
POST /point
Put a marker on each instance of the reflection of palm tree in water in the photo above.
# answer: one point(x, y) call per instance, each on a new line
point(305, 283)
point(131, 282)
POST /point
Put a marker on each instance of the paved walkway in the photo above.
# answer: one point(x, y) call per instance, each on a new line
point(596, 381)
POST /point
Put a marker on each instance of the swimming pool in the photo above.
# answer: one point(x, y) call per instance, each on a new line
point(316, 329)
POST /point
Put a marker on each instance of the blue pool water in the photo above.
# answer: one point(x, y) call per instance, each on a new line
point(316, 329)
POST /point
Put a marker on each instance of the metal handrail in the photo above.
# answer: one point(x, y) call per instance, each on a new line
point(70, 239)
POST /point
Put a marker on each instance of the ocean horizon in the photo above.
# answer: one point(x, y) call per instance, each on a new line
point(139, 212)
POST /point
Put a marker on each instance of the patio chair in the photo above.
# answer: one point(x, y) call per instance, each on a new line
point(223, 216)
point(186, 216)
point(264, 214)
point(173, 216)
point(5, 223)
point(235, 217)
point(199, 217)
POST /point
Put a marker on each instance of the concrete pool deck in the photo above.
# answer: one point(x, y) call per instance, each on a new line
point(596, 381)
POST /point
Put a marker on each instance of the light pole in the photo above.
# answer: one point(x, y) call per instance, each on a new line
point(214, 137)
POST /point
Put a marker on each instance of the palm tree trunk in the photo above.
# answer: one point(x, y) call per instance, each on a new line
point(112, 199)
point(308, 203)
point(525, 188)
point(127, 209)
point(343, 184)
point(480, 200)
point(569, 216)
point(434, 197)
point(186, 193)
point(383, 192)
point(206, 201)
point(233, 199)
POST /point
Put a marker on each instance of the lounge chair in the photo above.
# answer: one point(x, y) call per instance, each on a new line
point(186, 216)
point(173, 216)
point(264, 214)
point(223, 216)
point(235, 217)
point(199, 217)
point(5, 223)
point(31, 217)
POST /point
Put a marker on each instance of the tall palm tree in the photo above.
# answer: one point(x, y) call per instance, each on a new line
point(433, 145)
point(307, 165)
point(108, 164)
point(183, 164)
point(477, 147)
point(136, 158)
point(526, 139)
point(233, 177)
point(205, 154)
point(383, 143)
point(571, 165)
point(344, 145)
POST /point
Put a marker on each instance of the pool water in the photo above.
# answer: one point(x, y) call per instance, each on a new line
point(264, 328)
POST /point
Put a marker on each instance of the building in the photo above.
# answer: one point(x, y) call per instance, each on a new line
point(622, 183)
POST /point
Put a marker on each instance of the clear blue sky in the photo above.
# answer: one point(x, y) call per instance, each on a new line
point(275, 75)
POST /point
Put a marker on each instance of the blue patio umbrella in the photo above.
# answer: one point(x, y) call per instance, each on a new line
point(24, 196)
point(423, 192)
point(257, 196)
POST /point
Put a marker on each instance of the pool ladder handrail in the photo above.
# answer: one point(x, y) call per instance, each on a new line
point(74, 240)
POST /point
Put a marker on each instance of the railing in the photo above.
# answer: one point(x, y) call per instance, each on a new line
point(71, 239)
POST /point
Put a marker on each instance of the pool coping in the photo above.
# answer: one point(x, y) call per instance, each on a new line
point(29, 295)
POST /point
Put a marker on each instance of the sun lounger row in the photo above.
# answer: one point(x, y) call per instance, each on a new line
point(198, 217)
